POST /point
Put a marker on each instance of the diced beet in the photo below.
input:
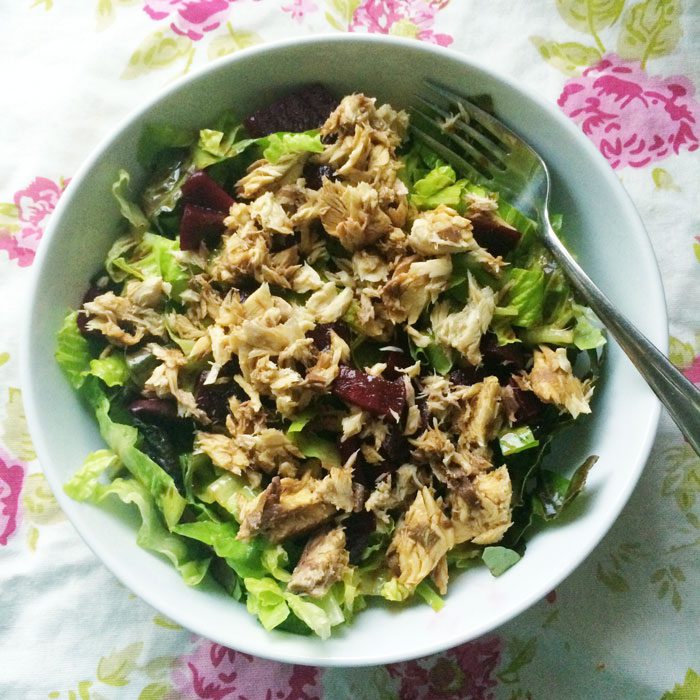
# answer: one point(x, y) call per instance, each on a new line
point(203, 191)
point(200, 224)
point(396, 360)
point(493, 233)
point(528, 406)
point(321, 334)
point(464, 376)
point(304, 109)
point(213, 398)
point(314, 174)
point(395, 449)
point(154, 409)
point(347, 448)
point(512, 355)
point(425, 417)
point(358, 528)
point(373, 394)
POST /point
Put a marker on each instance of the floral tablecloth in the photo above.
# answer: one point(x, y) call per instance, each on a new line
point(626, 623)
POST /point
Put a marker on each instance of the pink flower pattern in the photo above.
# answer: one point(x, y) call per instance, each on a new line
point(388, 16)
point(190, 18)
point(632, 117)
point(11, 480)
point(34, 204)
point(462, 673)
point(214, 672)
point(298, 9)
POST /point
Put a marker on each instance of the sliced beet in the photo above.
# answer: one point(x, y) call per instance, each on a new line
point(200, 224)
point(493, 233)
point(527, 405)
point(314, 174)
point(304, 109)
point(150, 410)
point(201, 190)
point(395, 449)
point(512, 356)
point(358, 528)
point(464, 376)
point(373, 394)
point(213, 398)
point(395, 360)
point(321, 334)
point(347, 448)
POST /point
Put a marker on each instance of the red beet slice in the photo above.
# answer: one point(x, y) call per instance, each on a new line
point(528, 406)
point(395, 449)
point(358, 528)
point(321, 334)
point(494, 234)
point(201, 190)
point(199, 224)
point(213, 398)
point(373, 394)
point(304, 109)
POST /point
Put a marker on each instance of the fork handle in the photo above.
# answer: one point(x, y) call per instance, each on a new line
point(680, 397)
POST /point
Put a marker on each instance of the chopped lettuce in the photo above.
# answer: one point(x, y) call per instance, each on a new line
point(526, 295)
point(517, 440)
point(499, 559)
point(312, 445)
point(426, 591)
point(283, 142)
point(150, 255)
point(226, 140)
point(555, 492)
point(157, 140)
point(112, 370)
point(439, 186)
point(129, 209)
point(73, 351)
point(123, 440)
point(272, 605)
point(85, 485)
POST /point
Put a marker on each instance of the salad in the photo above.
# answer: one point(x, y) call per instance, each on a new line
point(325, 366)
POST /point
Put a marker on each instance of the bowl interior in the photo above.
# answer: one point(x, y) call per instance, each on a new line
point(601, 226)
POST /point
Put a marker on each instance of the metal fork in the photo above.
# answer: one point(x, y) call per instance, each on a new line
point(483, 149)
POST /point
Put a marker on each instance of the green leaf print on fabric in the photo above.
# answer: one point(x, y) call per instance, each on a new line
point(690, 690)
point(233, 40)
point(340, 13)
point(663, 180)
point(650, 29)
point(156, 691)
point(569, 57)
point(682, 481)
point(159, 50)
point(4, 358)
point(40, 506)
point(612, 574)
point(590, 16)
point(667, 580)
point(115, 668)
point(520, 653)
point(15, 432)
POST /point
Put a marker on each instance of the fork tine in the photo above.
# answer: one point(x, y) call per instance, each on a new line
point(492, 148)
point(479, 160)
point(450, 156)
point(494, 126)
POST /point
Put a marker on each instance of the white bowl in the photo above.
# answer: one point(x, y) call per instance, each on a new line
point(602, 227)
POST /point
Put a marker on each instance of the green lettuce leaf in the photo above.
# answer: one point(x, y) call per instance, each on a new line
point(226, 490)
point(526, 294)
point(299, 423)
point(150, 255)
point(226, 140)
point(587, 335)
point(499, 559)
point(129, 209)
point(112, 370)
point(284, 142)
point(162, 195)
point(555, 492)
point(123, 440)
point(517, 440)
point(439, 186)
point(266, 600)
point(73, 351)
point(426, 591)
point(158, 140)
point(314, 446)
point(152, 535)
